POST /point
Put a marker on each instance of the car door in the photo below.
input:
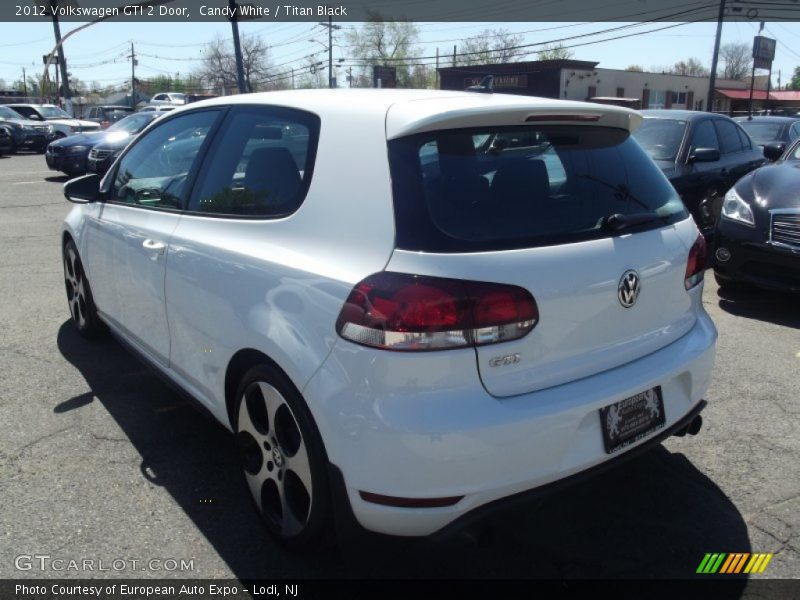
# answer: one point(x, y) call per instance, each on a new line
point(129, 239)
point(701, 181)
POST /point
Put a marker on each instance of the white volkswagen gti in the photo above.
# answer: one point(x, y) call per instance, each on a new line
point(407, 305)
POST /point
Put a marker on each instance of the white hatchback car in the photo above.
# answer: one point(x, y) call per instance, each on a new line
point(406, 305)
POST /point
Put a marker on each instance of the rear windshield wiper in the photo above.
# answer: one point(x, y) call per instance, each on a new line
point(621, 191)
point(618, 221)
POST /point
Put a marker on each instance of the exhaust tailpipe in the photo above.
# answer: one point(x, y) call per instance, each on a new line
point(692, 428)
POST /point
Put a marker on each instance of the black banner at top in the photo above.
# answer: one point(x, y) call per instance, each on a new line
point(415, 10)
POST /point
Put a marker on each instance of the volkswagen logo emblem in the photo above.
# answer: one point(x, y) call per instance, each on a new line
point(629, 288)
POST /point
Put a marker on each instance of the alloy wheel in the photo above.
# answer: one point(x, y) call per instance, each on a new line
point(76, 287)
point(275, 459)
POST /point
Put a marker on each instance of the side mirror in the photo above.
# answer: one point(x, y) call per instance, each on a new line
point(704, 155)
point(35, 117)
point(83, 190)
point(774, 150)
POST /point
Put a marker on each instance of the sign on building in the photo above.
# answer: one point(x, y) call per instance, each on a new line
point(763, 52)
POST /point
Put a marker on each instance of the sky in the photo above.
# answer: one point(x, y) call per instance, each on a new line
point(98, 53)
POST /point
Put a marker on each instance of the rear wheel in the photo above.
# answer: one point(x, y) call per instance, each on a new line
point(282, 457)
point(79, 294)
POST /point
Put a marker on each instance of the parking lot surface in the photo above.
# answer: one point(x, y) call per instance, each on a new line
point(100, 460)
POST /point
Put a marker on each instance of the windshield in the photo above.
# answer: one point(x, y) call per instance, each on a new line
point(53, 112)
point(7, 113)
point(661, 138)
point(498, 188)
point(794, 153)
point(177, 96)
point(762, 132)
point(132, 123)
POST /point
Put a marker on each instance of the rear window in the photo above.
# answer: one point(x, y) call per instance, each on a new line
point(762, 132)
point(517, 187)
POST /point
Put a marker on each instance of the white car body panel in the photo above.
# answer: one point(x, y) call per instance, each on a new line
point(407, 424)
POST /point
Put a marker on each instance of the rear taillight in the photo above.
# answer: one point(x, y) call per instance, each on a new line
point(398, 311)
point(696, 265)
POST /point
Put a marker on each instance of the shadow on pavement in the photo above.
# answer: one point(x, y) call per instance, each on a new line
point(58, 178)
point(655, 516)
point(764, 305)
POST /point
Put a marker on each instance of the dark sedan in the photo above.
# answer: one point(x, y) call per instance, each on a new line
point(758, 236)
point(72, 155)
point(702, 155)
point(773, 134)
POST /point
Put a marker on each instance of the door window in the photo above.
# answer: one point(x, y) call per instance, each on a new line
point(260, 165)
point(704, 136)
point(728, 137)
point(154, 172)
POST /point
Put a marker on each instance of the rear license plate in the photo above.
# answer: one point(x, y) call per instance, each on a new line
point(632, 419)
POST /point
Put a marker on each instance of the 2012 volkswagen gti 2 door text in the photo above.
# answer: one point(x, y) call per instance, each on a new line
point(414, 303)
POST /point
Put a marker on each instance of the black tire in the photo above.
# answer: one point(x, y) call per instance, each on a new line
point(79, 295)
point(282, 454)
point(731, 285)
point(13, 149)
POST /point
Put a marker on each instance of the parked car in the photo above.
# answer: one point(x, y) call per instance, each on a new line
point(404, 343)
point(108, 115)
point(103, 154)
point(32, 135)
point(5, 139)
point(758, 236)
point(61, 121)
point(168, 98)
point(702, 154)
point(76, 154)
point(773, 134)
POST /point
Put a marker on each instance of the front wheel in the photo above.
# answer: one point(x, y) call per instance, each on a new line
point(79, 295)
point(283, 458)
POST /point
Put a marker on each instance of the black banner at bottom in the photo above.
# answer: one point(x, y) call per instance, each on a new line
point(356, 589)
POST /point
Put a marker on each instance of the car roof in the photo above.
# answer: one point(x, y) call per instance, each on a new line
point(405, 112)
point(767, 119)
point(682, 115)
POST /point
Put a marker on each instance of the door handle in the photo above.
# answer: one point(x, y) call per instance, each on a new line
point(154, 246)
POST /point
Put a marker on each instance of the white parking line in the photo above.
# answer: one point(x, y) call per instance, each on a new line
point(25, 182)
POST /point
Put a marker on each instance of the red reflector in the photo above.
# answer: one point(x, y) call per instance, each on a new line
point(409, 502)
point(696, 265)
point(573, 117)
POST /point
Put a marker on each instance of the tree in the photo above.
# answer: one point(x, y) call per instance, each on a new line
point(637, 68)
point(794, 84)
point(386, 43)
point(737, 60)
point(691, 66)
point(491, 46)
point(219, 63)
point(556, 52)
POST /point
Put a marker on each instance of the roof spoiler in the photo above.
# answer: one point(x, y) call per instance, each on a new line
point(486, 86)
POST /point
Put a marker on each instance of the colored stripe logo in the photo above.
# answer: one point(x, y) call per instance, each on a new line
point(734, 563)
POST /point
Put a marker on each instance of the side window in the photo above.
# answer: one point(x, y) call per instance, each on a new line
point(159, 97)
point(794, 132)
point(728, 137)
point(744, 138)
point(704, 136)
point(153, 173)
point(260, 164)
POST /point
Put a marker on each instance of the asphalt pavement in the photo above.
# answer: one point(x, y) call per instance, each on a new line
point(99, 460)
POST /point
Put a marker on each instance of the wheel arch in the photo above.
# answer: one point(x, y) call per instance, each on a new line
point(241, 362)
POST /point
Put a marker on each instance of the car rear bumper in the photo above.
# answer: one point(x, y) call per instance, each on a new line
point(753, 260)
point(419, 441)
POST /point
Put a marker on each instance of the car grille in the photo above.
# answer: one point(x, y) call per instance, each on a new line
point(786, 228)
point(40, 128)
point(96, 154)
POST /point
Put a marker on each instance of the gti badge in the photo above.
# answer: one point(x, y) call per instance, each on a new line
point(502, 361)
point(629, 288)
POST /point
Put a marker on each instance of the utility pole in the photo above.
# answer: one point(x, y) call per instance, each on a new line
point(438, 85)
point(292, 77)
point(237, 47)
point(134, 62)
point(350, 76)
point(330, 27)
point(24, 83)
point(454, 55)
point(62, 61)
point(712, 80)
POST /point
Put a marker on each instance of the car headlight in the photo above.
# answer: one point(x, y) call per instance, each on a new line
point(50, 130)
point(77, 149)
point(736, 209)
